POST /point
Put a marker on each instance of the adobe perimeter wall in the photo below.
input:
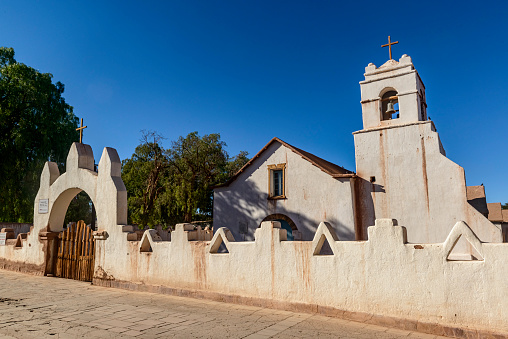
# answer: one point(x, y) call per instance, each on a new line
point(16, 227)
point(382, 278)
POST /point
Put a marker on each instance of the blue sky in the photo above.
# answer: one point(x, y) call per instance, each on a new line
point(252, 70)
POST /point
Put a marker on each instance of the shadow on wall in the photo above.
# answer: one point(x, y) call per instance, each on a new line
point(365, 215)
point(242, 214)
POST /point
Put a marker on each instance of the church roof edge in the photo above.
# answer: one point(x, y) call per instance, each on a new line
point(332, 169)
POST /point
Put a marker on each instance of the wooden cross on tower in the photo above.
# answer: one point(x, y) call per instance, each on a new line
point(389, 44)
point(80, 129)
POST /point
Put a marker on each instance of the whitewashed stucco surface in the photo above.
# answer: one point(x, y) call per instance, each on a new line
point(384, 275)
point(106, 190)
point(311, 197)
point(415, 182)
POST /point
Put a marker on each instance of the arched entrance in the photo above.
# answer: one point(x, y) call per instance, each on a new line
point(37, 251)
point(105, 189)
point(285, 223)
point(75, 244)
point(74, 247)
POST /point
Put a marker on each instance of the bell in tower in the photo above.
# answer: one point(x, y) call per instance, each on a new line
point(388, 103)
point(389, 109)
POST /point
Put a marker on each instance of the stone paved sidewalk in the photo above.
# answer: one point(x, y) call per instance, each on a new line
point(43, 307)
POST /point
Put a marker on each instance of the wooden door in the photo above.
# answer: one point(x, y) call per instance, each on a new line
point(76, 251)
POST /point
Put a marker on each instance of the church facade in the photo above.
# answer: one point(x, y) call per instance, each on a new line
point(402, 172)
point(286, 184)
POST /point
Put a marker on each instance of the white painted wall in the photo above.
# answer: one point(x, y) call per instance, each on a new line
point(312, 196)
point(383, 275)
point(414, 181)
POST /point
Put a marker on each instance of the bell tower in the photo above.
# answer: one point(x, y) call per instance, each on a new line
point(392, 94)
point(401, 166)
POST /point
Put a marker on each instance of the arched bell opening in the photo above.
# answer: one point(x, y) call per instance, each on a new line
point(390, 105)
point(285, 223)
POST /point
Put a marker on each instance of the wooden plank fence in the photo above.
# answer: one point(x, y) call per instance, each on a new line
point(76, 253)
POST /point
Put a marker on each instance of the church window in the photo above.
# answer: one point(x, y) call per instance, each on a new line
point(390, 105)
point(276, 178)
point(277, 182)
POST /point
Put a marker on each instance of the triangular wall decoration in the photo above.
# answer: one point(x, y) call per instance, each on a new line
point(324, 232)
point(222, 237)
point(149, 237)
point(462, 232)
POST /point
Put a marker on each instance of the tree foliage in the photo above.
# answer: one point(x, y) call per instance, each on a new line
point(175, 185)
point(505, 206)
point(80, 208)
point(142, 175)
point(196, 163)
point(36, 125)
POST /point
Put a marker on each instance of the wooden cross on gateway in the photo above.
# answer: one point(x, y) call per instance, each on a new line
point(389, 44)
point(80, 129)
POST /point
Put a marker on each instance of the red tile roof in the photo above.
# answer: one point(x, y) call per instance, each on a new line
point(476, 197)
point(475, 192)
point(495, 212)
point(505, 215)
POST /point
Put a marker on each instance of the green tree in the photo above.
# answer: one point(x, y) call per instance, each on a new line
point(36, 125)
point(175, 185)
point(80, 208)
point(143, 176)
point(505, 206)
point(234, 165)
point(197, 163)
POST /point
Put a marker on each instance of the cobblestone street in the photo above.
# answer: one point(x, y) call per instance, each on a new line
point(44, 307)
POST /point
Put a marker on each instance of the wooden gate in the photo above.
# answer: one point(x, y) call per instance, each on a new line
point(76, 253)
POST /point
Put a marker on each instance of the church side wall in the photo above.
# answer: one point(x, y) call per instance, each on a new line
point(311, 196)
point(415, 184)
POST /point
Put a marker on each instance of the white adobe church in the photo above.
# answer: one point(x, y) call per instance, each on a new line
point(402, 172)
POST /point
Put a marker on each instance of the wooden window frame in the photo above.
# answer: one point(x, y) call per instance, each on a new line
point(272, 168)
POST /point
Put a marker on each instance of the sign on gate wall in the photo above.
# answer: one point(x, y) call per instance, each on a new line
point(3, 237)
point(43, 206)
